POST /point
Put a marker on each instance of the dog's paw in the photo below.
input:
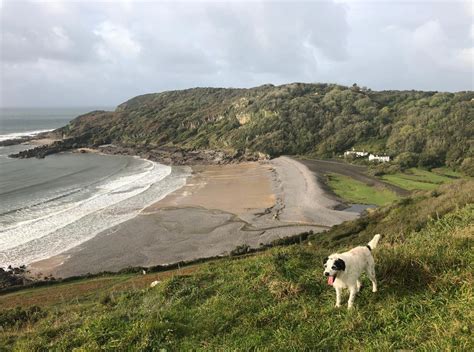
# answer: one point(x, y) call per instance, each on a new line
point(374, 290)
point(337, 306)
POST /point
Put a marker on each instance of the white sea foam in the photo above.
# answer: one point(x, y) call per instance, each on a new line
point(15, 135)
point(114, 201)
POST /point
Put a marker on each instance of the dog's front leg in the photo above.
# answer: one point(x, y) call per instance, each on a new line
point(338, 297)
point(352, 294)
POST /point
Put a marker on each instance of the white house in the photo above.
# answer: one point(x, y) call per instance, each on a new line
point(381, 158)
point(355, 153)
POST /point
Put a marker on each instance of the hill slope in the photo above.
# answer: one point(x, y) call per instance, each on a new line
point(278, 300)
point(427, 129)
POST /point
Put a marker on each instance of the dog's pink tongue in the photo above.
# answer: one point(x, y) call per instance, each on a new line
point(330, 280)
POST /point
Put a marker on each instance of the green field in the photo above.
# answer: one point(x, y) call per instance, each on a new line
point(419, 179)
point(277, 299)
point(358, 192)
point(445, 171)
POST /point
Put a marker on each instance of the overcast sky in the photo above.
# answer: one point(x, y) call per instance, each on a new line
point(85, 53)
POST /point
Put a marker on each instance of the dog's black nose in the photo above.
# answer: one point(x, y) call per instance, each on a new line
point(326, 274)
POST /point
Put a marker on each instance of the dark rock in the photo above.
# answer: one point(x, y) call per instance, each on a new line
point(56, 147)
point(15, 141)
point(170, 155)
point(13, 276)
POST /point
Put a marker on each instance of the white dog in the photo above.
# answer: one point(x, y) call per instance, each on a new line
point(343, 270)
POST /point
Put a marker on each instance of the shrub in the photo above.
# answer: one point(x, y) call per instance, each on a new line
point(407, 160)
point(239, 250)
point(467, 166)
point(19, 316)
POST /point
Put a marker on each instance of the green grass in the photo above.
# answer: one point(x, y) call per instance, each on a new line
point(419, 179)
point(446, 171)
point(358, 192)
point(278, 299)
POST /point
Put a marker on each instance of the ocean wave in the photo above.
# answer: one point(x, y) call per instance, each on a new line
point(64, 226)
point(15, 135)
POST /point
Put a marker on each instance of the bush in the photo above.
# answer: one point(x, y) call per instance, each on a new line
point(384, 169)
point(107, 299)
point(430, 161)
point(407, 160)
point(239, 250)
point(467, 166)
point(19, 316)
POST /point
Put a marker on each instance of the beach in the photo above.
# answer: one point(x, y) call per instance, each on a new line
point(218, 209)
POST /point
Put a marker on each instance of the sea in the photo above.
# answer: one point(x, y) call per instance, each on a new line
point(50, 205)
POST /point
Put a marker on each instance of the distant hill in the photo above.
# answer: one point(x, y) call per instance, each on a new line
point(426, 129)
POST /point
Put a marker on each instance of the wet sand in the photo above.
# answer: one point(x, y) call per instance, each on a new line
point(220, 208)
point(237, 188)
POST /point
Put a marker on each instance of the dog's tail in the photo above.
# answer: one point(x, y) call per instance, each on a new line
point(373, 243)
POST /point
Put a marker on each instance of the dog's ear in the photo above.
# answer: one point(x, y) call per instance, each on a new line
point(325, 260)
point(340, 264)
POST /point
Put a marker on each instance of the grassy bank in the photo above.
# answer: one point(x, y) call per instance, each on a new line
point(413, 179)
point(419, 179)
point(358, 192)
point(278, 299)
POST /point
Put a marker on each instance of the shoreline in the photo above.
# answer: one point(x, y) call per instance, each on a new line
point(225, 203)
point(115, 190)
point(219, 208)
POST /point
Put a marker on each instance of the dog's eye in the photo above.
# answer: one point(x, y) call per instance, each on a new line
point(333, 267)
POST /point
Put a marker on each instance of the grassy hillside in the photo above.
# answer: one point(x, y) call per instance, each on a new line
point(417, 179)
point(278, 299)
point(358, 192)
point(427, 129)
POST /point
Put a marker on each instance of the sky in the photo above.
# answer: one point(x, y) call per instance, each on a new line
point(101, 53)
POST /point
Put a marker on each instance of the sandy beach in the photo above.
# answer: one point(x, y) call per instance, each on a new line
point(219, 208)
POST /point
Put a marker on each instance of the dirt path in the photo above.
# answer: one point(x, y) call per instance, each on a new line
point(357, 172)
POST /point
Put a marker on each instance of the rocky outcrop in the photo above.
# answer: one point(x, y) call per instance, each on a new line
point(26, 139)
point(179, 156)
point(56, 147)
point(15, 141)
point(165, 155)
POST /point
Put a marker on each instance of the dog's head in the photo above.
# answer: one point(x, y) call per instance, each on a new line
point(332, 266)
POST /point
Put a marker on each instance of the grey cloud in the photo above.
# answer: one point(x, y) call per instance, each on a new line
point(101, 53)
point(30, 32)
point(278, 37)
